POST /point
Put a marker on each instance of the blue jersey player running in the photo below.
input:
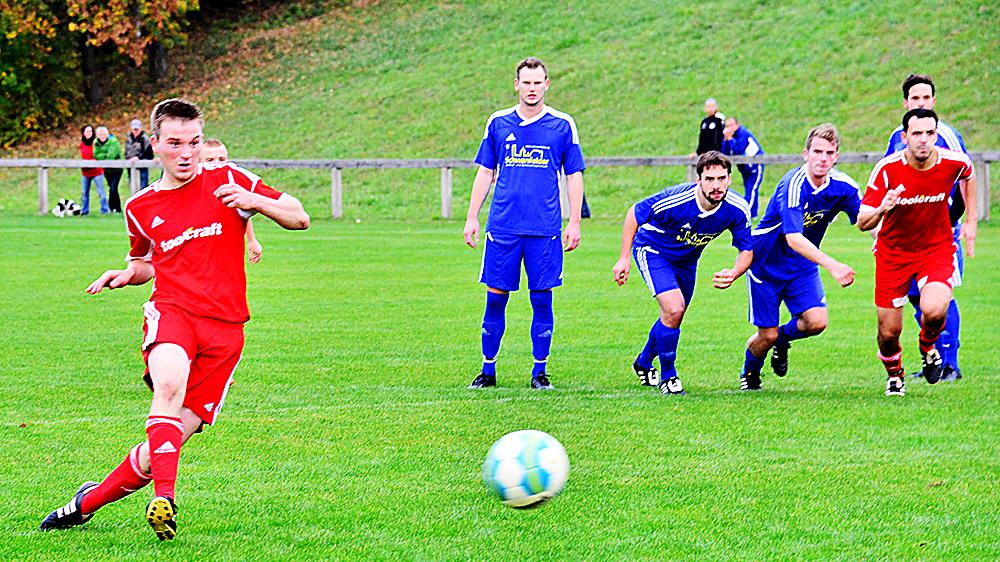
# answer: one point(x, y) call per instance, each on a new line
point(666, 234)
point(738, 141)
point(918, 93)
point(786, 253)
point(525, 148)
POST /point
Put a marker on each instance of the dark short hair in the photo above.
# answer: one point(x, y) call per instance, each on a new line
point(713, 158)
point(914, 79)
point(918, 114)
point(174, 108)
point(530, 62)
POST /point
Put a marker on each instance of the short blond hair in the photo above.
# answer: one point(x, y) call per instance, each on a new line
point(825, 131)
point(213, 142)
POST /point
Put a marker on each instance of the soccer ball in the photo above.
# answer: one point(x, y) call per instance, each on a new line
point(526, 468)
point(66, 208)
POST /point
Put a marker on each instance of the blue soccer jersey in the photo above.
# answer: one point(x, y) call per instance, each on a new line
point(673, 223)
point(528, 154)
point(800, 207)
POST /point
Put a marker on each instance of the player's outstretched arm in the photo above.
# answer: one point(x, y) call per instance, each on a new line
point(137, 273)
point(971, 224)
point(629, 228)
point(725, 278)
point(869, 218)
point(842, 273)
point(574, 187)
point(480, 189)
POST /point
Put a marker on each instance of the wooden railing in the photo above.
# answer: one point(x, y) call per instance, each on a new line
point(982, 161)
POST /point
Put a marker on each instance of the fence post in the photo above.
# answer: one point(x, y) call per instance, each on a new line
point(133, 179)
point(336, 194)
point(563, 195)
point(692, 172)
point(43, 191)
point(983, 190)
point(446, 193)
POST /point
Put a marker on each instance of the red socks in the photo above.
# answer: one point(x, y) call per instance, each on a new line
point(928, 337)
point(894, 364)
point(122, 481)
point(165, 435)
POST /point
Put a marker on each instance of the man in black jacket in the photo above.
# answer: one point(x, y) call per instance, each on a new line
point(711, 129)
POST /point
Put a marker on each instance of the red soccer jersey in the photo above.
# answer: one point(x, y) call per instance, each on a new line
point(194, 242)
point(920, 218)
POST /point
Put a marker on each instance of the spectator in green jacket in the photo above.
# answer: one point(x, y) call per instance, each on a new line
point(107, 147)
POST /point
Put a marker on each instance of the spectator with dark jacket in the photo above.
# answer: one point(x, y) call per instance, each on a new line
point(710, 137)
point(90, 175)
point(137, 147)
point(107, 147)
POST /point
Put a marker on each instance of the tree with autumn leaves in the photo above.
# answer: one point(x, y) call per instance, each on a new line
point(48, 54)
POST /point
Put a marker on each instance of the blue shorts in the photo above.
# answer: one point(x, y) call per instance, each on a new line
point(799, 295)
point(915, 290)
point(502, 256)
point(661, 276)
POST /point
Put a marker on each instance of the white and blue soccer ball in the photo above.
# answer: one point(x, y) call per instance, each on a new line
point(526, 468)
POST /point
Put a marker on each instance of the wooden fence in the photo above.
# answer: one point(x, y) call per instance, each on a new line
point(982, 161)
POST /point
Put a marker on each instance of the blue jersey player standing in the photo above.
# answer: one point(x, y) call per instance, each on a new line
point(524, 149)
point(918, 93)
point(666, 234)
point(786, 254)
point(738, 141)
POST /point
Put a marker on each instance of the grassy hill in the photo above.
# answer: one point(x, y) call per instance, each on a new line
point(418, 79)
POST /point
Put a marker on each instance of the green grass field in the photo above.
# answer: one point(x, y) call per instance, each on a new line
point(350, 435)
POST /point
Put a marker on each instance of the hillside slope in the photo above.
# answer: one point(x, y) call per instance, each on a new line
point(418, 79)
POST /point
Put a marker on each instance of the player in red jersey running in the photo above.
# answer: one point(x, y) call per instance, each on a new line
point(187, 230)
point(908, 194)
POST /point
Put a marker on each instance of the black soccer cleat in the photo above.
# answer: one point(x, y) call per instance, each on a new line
point(750, 381)
point(932, 366)
point(647, 377)
point(483, 381)
point(160, 514)
point(672, 387)
point(895, 386)
point(950, 374)
point(779, 359)
point(541, 382)
point(69, 515)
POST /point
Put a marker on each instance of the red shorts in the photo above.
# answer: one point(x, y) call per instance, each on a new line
point(213, 346)
point(895, 273)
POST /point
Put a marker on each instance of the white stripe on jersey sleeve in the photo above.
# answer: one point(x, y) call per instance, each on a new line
point(494, 115)
point(572, 123)
point(841, 176)
point(753, 148)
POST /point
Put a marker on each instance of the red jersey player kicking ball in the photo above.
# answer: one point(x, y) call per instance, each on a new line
point(186, 230)
point(908, 194)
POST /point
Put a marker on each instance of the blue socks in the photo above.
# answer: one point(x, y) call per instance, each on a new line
point(752, 363)
point(542, 322)
point(666, 344)
point(645, 358)
point(789, 332)
point(494, 322)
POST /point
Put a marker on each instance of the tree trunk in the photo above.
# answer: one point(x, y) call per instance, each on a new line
point(157, 55)
point(88, 65)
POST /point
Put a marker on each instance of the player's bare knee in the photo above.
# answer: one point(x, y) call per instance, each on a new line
point(671, 316)
point(767, 337)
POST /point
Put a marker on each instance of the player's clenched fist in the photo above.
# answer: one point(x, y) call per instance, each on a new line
point(234, 196)
point(842, 273)
point(620, 271)
point(723, 279)
point(891, 198)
